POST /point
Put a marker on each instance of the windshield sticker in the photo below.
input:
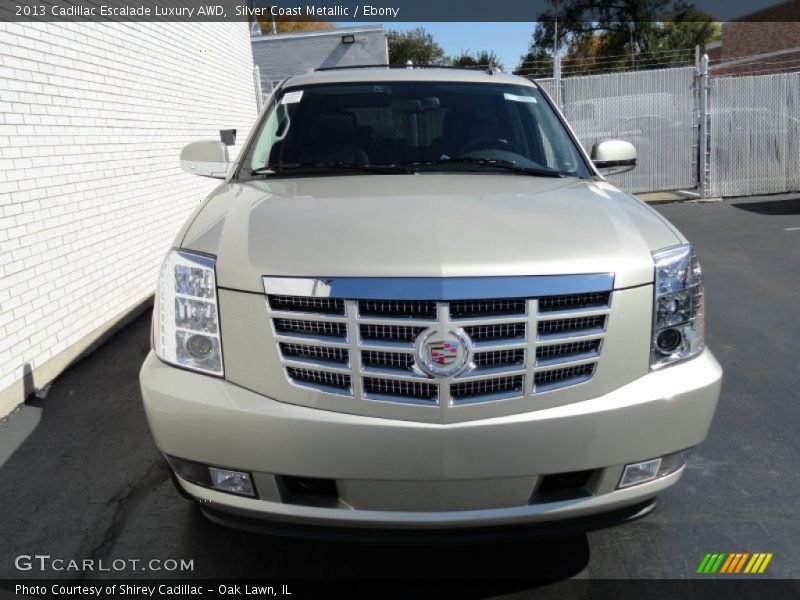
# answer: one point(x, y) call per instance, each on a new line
point(515, 98)
point(292, 97)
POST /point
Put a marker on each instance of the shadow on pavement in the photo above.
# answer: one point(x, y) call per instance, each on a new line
point(790, 206)
point(530, 560)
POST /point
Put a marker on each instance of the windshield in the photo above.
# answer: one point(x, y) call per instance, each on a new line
point(402, 127)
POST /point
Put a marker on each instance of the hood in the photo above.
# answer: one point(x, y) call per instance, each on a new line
point(426, 225)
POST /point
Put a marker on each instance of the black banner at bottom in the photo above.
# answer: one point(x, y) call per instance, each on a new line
point(579, 589)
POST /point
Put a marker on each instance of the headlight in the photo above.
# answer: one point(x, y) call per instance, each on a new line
point(185, 316)
point(678, 307)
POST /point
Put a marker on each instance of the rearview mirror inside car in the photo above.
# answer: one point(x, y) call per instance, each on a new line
point(416, 106)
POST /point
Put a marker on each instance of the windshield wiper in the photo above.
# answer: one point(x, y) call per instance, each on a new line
point(320, 167)
point(509, 165)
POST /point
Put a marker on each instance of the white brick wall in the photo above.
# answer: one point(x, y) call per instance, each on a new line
point(92, 119)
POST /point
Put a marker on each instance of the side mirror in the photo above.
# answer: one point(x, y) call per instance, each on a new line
point(209, 159)
point(614, 156)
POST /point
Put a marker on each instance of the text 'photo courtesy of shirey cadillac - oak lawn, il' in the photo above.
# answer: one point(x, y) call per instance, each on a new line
point(399, 300)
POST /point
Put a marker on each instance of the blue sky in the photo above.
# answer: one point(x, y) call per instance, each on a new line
point(508, 40)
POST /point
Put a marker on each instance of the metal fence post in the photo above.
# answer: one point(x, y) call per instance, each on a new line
point(557, 82)
point(259, 92)
point(704, 143)
point(696, 119)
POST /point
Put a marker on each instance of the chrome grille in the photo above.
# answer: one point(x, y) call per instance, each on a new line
point(488, 389)
point(471, 309)
point(550, 379)
point(485, 333)
point(560, 352)
point(314, 353)
point(310, 328)
point(499, 358)
point(574, 301)
point(409, 309)
point(378, 359)
point(414, 390)
point(364, 348)
point(391, 333)
point(328, 306)
point(575, 325)
point(321, 379)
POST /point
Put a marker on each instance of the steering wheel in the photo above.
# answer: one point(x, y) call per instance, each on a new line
point(487, 142)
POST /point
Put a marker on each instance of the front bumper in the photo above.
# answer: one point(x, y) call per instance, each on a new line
point(401, 474)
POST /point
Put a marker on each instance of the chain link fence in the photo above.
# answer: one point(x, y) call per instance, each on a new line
point(748, 127)
point(654, 110)
point(263, 87)
point(755, 134)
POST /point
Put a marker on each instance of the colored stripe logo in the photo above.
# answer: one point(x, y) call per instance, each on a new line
point(737, 562)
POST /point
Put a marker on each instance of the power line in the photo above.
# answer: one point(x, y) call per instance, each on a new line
point(575, 70)
point(627, 56)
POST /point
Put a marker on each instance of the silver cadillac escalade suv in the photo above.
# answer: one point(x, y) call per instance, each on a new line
point(415, 303)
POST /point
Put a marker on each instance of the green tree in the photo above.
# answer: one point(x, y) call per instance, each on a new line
point(416, 45)
point(536, 63)
point(285, 24)
point(689, 29)
point(615, 32)
point(622, 22)
point(480, 59)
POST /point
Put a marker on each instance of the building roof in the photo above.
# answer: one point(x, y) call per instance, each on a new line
point(269, 37)
point(783, 11)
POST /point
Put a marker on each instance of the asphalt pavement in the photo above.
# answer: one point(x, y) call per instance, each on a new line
point(88, 482)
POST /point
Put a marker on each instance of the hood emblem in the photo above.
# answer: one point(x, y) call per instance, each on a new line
point(443, 355)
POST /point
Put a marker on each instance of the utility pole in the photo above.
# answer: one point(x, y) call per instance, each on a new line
point(556, 62)
point(633, 50)
point(555, 32)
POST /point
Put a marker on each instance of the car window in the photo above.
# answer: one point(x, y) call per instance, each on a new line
point(401, 123)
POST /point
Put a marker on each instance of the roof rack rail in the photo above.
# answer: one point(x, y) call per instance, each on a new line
point(490, 69)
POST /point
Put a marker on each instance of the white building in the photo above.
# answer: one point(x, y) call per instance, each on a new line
point(92, 119)
point(282, 55)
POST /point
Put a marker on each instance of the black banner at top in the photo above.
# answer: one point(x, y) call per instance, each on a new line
point(343, 11)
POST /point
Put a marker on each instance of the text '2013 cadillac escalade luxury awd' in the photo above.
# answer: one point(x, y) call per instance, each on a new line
point(413, 303)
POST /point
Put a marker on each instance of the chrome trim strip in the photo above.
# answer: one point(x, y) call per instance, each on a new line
point(494, 397)
point(600, 309)
point(570, 336)
point(557, 385)
point(439, 288)
point(401, 400)
point(399, 374)
point(491, 373)
point(320, 388)
point(317, 365)
point(567, 359)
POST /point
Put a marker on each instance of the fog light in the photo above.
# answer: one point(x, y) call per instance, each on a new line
point(668, 340)
point(640, 472)
point(671, 463)
point(224, 480)
point(648, 470)
point(233, 482)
